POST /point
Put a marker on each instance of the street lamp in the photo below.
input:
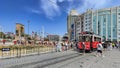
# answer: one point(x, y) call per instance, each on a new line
point(1, 32)
point(28, 26)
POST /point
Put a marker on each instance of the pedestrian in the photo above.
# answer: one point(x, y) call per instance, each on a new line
point(119, 46)
point(99, 50)
point(116, 45)
point(113, 45)
point(76, 45)
point(66, 46)
point(104, 46)
point(59, 47)
point(4, 41)
point(110, 46)
point(83, 47)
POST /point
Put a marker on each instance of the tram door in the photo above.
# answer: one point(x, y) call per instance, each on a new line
point(95, 41)
point(86, 40)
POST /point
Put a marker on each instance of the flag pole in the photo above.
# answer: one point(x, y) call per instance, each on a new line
point(43, 32)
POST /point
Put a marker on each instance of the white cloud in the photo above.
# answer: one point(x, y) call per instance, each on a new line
point(50, 8)
point(61, 0)
point(53, 8)
point(96, 4)
point(36, 11)
point(31, 10)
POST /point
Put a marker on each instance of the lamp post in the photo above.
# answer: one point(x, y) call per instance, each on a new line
point(28, 26)
point(1, 32)
point(43, 32)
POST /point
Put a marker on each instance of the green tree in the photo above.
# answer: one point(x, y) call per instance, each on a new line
point(1, 35)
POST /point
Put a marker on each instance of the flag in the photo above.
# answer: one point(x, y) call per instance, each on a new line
point(33, 34)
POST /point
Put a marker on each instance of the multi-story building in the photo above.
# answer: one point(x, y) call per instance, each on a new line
point(79, 26)
point(104, 22)
point(70, 24)
point(88, 20)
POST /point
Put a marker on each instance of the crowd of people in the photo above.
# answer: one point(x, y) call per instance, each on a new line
point(66, 45)
point(63, 46)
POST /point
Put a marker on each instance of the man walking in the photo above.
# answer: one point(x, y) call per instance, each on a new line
point(99, 49)
point(83, 47)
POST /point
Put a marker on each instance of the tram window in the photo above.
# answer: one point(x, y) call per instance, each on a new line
point(95, 39)
point(80, 38)
point(87, 38)
point(83, 38)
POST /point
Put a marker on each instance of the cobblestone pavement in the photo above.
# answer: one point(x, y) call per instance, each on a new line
point(37, 59)
point(67, 59)
point(111, 60)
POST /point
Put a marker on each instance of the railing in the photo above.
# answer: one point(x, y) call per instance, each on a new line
point(20, 50)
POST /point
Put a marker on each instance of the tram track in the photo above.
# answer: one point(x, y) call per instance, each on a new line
point(47, 62)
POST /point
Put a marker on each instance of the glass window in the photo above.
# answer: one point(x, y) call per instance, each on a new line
point(94, 24)
point(114, 26)
point(104, 19)
point(104, 25)
point(118, 13)
point(109, 26)
point(119, 10)
point(99, 25)
point(100, 12)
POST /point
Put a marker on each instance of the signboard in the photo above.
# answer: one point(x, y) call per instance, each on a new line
point(5, 49)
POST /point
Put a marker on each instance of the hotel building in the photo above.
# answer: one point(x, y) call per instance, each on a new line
point(104, 22)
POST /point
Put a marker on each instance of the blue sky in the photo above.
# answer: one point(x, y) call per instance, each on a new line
point(52, 14)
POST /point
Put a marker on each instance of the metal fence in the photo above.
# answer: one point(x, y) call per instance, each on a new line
point(18, 51)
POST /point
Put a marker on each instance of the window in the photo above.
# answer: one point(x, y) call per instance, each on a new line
point(113, 29)
point(98, 23)
point(104, 19)
point(118, 13)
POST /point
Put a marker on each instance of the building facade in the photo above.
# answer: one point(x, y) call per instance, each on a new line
point(88, 20)
point(71, 25)
point(104, 22)
point(79, 26)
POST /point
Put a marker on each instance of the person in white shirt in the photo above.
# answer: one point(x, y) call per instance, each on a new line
point(99, 49)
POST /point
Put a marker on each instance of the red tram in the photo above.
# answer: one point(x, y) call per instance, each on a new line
point(90, 41)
